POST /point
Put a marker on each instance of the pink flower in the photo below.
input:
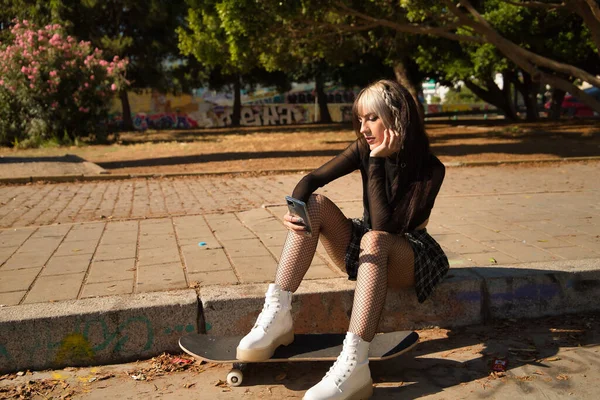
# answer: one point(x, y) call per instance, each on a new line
point(113, 87)
point(53, 73)
point(92, 78)
point(54, 104)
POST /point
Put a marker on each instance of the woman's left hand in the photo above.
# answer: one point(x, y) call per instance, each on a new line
point(390, 144)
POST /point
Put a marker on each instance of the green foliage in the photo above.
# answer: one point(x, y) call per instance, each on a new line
point(52, 86)
point(462, 95)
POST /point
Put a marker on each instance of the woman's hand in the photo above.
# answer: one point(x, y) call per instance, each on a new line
point(294, 223)
point(389, 145)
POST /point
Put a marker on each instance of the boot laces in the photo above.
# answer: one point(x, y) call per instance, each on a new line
point(269, 311)
point(345, 363)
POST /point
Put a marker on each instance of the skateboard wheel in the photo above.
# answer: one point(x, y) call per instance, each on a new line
point(235, 377)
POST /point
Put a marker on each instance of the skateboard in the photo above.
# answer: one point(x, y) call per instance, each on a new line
point(305, 347)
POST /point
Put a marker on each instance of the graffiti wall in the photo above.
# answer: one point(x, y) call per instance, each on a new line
point(153, 110)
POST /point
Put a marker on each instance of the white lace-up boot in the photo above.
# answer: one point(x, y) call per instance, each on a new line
point(349, 377)
point(273, 327)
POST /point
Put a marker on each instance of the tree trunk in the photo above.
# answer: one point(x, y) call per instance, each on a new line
point(324, 116)
point(404, 78)
point(126, 111)
point(236, 115)
point(528, 90)
point(556, 105)
point(493, 95)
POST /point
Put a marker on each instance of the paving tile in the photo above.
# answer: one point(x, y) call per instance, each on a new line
point(149, 241)
point(158, 255)
point(322, 272)
point(198, 259)
point(19, 279)
point(85, 232)
point(55, 288)
point(6, 252)
point(522, 251)
point(113, 270)
point(40, 245)
point(26, 260)
point(460, 244)
point(107, 288)
point(115, 251)
point(226, 277)
point(255, 269)
point(118, 226)
point(75, 248)
point(14, 237)
point(245, 248)
point(51, 231)
point(67, 265)
point(490, 258)
point(11, 298)
point(120, 237)
point(163, 277)
point(575, 252)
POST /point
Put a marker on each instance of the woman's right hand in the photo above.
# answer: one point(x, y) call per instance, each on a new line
point(294, 223)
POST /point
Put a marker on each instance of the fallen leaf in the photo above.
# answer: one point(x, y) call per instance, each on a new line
point(562, 377)
point(493, 260)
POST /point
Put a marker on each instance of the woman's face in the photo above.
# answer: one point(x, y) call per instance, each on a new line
point(372, 128)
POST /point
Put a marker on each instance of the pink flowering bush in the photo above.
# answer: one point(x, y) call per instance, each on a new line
point(53, 86)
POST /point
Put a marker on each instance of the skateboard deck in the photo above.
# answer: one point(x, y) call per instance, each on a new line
point(305, 347)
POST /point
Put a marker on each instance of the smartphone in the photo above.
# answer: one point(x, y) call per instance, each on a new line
point(298, 208)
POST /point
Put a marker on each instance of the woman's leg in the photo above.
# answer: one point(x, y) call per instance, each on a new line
point(274, 325)
point(329, 223)
point(385, 260)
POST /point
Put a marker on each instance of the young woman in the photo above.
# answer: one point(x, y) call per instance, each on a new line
point(388, 247)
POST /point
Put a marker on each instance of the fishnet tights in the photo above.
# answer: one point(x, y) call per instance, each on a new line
point(329, 223)
point(384, 258)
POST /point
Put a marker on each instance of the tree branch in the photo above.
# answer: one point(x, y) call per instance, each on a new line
point(589, 11)
point(537, 4)
point(413, 28)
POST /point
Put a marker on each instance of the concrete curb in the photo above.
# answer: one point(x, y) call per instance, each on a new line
point(118, 329)
point(467, 296)
point(95, 331)
point(106, 175)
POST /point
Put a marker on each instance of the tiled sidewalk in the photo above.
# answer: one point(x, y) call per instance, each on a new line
point(60, 203)
point(80, 260)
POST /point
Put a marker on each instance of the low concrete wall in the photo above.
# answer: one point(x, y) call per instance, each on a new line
point(95, 331)
point(467, 296)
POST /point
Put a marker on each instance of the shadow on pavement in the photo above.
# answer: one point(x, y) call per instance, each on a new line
point(203, 158)
point(460, 356)
point(67, 158)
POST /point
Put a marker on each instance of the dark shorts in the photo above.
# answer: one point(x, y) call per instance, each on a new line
point(431, 263)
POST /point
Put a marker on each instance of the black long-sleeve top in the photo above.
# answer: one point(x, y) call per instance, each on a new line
point(377, 174)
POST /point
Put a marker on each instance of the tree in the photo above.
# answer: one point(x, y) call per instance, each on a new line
point(461, 21)
point(218, 44)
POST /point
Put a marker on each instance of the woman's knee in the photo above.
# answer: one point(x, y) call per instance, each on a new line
point(376, 240)
point(317, 201)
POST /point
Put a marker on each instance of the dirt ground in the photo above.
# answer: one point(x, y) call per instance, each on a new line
point(546, 358)
point(308, 146)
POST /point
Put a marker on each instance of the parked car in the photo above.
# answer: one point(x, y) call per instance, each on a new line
point(573, 107)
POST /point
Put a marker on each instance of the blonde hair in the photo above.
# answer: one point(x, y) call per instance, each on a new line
point(393, 103)
point(389, 101)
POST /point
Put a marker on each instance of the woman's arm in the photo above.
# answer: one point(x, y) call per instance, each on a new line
point(380, 211)
point(342, 164)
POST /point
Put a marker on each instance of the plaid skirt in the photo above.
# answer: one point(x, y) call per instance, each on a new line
point(431, 264)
